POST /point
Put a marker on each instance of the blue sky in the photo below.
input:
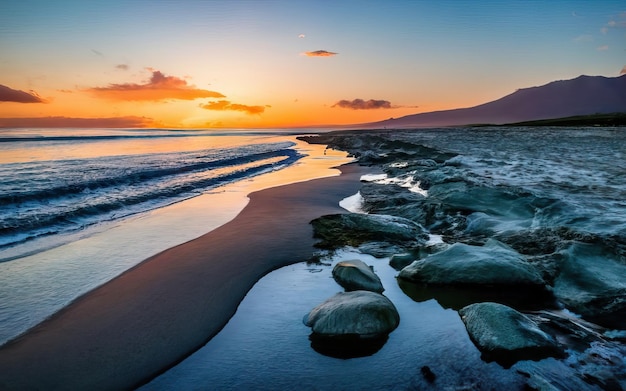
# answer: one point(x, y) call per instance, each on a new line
point(415, 55)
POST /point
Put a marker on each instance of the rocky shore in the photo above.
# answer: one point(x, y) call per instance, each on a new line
point(529, 293)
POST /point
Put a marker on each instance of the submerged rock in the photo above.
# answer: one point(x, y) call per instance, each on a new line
point(354, 275)
point(463, 265)
point(354, 229)
point(360, 314)
point(505, 335)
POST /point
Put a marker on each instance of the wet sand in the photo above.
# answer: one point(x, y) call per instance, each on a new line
point(125, 332)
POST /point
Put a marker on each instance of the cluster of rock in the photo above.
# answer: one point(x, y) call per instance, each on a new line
point(496, 265)
point(583, 272)
point(355, 322)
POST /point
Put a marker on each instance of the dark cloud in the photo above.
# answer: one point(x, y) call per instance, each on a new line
point(360, 104)
point(159, 87)
point(122, 67)
point(10, 95)
point(222, 105)
point(320, 53)
point(69, 122)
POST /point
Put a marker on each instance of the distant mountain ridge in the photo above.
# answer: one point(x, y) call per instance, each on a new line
point(583, 95)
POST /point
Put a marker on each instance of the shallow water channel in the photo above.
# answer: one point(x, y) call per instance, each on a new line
point(266, 345)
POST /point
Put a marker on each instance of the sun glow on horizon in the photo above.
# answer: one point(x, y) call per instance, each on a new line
point(246, 65)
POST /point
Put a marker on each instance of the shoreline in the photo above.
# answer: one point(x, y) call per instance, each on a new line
point(141, 323)
point(34, 287)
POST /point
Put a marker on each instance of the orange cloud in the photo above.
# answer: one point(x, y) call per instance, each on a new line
point(159, 87)
point(623, 71)
point(320, 53)
point(226, 105)
point(360, 104)
point(10, 95)
point(69, 122)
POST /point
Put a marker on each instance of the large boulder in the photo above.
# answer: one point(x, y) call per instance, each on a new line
point(592, 283)
point(354, 229)
point(361, 314)
point(354, 275)
point(493, 264)
point(505, 335)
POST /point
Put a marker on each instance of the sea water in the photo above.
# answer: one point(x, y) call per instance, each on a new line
point(79, 207)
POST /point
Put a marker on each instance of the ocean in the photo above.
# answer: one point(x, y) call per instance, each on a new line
point(80, 206)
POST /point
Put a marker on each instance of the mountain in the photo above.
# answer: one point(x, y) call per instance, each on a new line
point(583, 95)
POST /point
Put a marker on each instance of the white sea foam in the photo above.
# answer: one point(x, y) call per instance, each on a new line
point(353, 204)
point(373, 177)
point(434, 240)
point(405, 181)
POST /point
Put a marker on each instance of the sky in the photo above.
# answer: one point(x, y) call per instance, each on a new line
point(274, 64)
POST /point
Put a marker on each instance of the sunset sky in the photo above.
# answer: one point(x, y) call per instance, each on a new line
point(255, 64)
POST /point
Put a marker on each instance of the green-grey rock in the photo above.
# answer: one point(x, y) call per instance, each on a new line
point(354, 229)
point(359, 313)
point(400, 261)
point(506, 334)
point(592, 282)
point(354, 275)
point(462, 264)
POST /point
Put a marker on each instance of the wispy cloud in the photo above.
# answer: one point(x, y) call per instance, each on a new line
point(69, 122)
point(222, 105)
point(623, 71)
point(603, 48)
point(301, 36)
point(618, 21)
point(122, 67)
point(583, 38)
point(10, 95)
point(361, 104)
point(158, 87)
point(320, 53)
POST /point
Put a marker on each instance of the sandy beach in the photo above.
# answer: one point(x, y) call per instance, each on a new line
point(125, 332)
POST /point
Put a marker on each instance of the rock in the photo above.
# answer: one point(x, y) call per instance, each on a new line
point(493, 264)
point(379, 142)
point(355, 275)
point(592, 283)
point(380, 249)
point(463, 274)
point(428, 374)
point(361, 314)
point(387, 197)
point(400, 261)
point(354, 229)
point(505, 335)
point(602, 366)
